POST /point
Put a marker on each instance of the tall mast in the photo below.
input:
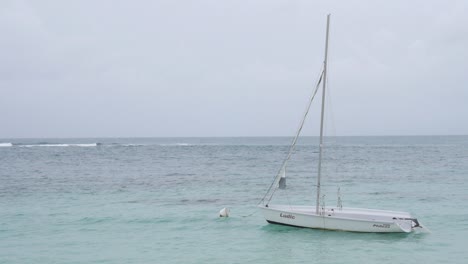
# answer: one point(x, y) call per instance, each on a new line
point(321, 118)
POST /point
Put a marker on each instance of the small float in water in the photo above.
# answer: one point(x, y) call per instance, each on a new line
point(224, 212)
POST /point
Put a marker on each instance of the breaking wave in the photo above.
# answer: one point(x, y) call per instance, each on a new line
point(56, 145)
point(128, 145)
point(98, 144)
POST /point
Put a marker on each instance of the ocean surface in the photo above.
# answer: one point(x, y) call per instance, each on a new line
point(156, 200)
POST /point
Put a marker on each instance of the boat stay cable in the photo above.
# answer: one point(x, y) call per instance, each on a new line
point(274, 185)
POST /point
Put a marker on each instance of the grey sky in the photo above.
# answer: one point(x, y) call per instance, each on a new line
point(230, 68)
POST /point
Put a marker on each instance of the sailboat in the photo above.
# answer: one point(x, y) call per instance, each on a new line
point(324, 217)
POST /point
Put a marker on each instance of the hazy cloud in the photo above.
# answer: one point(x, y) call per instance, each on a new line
point(230, 68)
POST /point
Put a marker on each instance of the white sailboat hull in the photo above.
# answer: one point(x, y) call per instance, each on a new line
point(344, 219)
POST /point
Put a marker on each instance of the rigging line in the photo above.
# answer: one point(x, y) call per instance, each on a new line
point(293, 145)
point(272, 188)
point(332, 125)
point(287, 198)
point(329, 130)
point(254, 212)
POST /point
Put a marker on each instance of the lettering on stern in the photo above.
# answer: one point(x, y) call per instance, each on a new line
point(382, 225)
point(290, 216)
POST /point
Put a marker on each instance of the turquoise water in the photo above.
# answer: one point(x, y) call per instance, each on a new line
point(156, 200)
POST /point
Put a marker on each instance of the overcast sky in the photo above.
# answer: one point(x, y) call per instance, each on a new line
point(230, 68)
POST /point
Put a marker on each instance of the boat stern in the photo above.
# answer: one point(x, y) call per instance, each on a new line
point(409, 224)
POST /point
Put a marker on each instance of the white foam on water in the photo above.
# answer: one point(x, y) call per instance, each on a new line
point(60, 145)
point(44, 145)
point(6, 144)
point(175, 145)
point(84, 145)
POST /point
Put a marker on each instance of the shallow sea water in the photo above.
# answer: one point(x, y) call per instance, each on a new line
point(156, 200)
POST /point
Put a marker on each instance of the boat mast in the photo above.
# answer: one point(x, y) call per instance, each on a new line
point(321, 118)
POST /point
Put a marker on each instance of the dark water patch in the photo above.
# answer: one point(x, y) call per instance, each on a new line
point(432, 199)
point(199, 201)
point(87, 229)
point(186, 201)
point(179, 174)
point(207, 200)
point(95, 220)
point(152, 220)
point(381, 193)
point(278, 228)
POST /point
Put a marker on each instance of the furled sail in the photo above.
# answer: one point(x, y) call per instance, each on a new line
point(282, 181)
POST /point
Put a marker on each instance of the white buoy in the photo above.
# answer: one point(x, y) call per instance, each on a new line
point(224, 212)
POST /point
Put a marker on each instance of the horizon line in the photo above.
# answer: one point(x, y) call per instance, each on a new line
point(86, 137)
